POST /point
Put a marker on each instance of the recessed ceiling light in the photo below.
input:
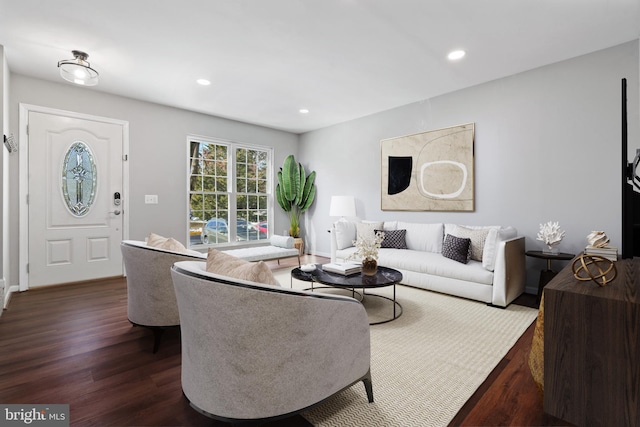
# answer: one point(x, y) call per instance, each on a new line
point(456, 54)
point(203, 82)
point(304, 111)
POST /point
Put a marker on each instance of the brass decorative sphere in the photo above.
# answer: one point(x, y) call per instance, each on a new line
point(593, 267)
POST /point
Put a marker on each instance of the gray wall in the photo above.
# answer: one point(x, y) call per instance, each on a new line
point(547, 147)
point(157, 152)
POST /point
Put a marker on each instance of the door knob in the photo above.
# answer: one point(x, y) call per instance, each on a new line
point(116, 212)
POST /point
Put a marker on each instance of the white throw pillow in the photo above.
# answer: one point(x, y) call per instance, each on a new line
point(423, 237)
point(478, 238)
point(490, 249)
point(345, 234)
point(366, 229)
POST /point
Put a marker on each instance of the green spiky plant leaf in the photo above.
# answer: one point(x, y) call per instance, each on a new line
point(295, 191)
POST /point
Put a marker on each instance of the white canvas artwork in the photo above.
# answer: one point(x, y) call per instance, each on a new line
point(429, 171)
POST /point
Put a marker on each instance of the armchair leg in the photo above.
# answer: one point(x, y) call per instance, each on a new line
point(157, 335)
point(368, 386)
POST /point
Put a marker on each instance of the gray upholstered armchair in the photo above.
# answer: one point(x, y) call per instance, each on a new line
point(151, 300)
point(254, 352)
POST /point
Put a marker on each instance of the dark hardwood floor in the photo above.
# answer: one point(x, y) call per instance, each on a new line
point(73, 344)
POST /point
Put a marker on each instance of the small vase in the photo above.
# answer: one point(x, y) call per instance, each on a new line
point(369, 267)
point(551, 250)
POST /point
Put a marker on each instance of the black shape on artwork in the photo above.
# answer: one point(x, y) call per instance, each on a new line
point(399, 174)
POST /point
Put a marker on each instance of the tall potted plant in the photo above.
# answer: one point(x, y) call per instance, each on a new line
point(295, 192)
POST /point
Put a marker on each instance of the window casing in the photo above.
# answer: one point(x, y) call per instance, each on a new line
point(230, 196)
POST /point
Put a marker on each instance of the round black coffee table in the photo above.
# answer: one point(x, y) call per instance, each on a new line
point(384, 277)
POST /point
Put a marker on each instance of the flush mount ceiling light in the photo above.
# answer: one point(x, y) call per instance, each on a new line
point(303, 111)
point(456, 54)
point(203, 82)
point(78, 70)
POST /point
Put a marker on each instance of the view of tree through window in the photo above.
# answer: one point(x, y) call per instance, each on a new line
point(228, 192)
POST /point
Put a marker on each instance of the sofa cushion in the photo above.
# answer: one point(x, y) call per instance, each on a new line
point(168, 243)
point(394, 239)
point(227, 265)
point(456, 248)
point(429, 263)
point(423, 237)
point(345, 233)
point(478, 238)
point(390, 225)
point(434, 264)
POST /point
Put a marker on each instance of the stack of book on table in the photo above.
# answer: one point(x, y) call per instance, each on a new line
point(608, 252)
point(346, 268)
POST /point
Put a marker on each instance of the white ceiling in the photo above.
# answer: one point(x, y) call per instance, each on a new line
point(341, 59)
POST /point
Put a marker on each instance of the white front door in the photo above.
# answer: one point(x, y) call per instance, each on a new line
point(75, 197)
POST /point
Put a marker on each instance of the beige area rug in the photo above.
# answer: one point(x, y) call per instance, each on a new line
point(427, 363)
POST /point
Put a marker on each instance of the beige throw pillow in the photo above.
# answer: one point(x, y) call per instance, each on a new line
point(167, 243)
point(478, 238)
point(224, 264)
point(367, 229)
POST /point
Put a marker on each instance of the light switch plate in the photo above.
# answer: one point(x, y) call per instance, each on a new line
point(151, 199)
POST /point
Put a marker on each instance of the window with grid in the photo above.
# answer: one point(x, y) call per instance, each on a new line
point(229, 192)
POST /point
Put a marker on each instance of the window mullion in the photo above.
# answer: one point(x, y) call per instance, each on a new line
point(232, 188)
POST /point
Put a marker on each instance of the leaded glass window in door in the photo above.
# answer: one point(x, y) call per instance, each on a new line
point(79, 178)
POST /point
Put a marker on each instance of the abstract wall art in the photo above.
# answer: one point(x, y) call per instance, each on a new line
point(429, 171)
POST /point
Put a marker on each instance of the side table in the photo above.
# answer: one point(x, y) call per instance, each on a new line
point(548, 274)
point(298, 243)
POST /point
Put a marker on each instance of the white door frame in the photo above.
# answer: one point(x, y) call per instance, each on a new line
point(23, 159)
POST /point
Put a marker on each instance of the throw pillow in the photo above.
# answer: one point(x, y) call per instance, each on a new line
point(224, 264)
point(456, 248)
point(477, 237)
point(282, 241)
point(345, 233)
point(366, 230)
point(395, 239)
point(167, 243)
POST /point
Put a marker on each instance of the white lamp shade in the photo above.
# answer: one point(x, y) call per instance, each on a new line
point(342, 206)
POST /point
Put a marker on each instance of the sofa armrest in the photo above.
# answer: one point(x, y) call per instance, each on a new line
point(509, 273)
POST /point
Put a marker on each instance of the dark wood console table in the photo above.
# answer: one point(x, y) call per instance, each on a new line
point(592, 348)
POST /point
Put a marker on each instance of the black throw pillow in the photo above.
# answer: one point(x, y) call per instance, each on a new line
point(395, 239)
point(456, 248)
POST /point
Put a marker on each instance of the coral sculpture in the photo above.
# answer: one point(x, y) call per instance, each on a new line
point(598, 239)
point(551, 235)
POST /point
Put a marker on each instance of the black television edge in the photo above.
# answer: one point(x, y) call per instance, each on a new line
point(630, 197)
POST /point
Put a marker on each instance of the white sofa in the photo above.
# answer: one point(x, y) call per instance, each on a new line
point(496, 279)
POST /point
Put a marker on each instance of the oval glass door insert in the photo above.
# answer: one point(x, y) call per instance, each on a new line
point(79, 176)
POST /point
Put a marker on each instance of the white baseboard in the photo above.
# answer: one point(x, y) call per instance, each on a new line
point(7, 294)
